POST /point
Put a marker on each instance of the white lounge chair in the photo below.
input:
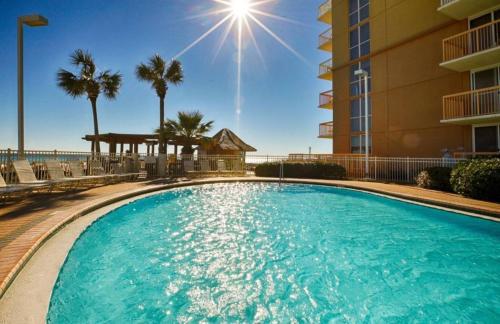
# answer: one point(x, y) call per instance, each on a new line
point(56, 173)
point(26, 176)
point(188, 165)
point(76, 168)
point(11, 190)
point(205, 166)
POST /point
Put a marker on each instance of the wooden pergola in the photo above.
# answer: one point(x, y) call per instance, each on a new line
point(133, 141)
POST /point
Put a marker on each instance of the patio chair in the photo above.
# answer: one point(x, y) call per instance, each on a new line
point(205, 166)
point(56, 173)
point(76, 168)
point(7, 191)
point(188, 165)
point(26, 175)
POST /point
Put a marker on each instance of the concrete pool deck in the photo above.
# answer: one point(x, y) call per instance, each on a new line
point(27, 225)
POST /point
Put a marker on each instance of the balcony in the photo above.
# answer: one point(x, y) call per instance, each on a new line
point(325, 70)
point(325, 12)
point(325, 41)
point(326, 130)
point(473, 48)
point(326, 100)
point(472, 107)
point(461, 9)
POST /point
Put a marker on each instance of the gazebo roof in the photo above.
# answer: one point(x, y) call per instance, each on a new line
point(226, 140)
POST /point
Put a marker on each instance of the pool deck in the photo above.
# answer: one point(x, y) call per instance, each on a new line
point(27, 224)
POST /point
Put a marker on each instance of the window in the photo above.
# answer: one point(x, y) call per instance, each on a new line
point(358, 113)
point(359, 10)
point(485, 78)
point(359, 41)
point(358, 144)
point(357, 84)
point(487, 138)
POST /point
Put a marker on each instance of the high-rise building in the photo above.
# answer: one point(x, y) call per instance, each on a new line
point(433, 76)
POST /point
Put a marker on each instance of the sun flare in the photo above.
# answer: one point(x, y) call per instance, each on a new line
point(240, 16)
point(240, 8)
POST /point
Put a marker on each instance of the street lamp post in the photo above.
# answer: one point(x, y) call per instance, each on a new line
point(32, 21)
point(364, 74)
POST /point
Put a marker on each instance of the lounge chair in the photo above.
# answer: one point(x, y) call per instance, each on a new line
point(11, 190)
point(188, 165)
point(56, 173)
point(77, 172)
point(26, 175)
point(205, 166)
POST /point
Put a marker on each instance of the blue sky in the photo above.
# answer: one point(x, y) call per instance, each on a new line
point(279, 96)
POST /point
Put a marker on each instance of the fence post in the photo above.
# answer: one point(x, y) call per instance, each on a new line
point(408, 169)
point(375, 168)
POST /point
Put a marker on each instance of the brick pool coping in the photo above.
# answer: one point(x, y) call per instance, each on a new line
point(22, 235)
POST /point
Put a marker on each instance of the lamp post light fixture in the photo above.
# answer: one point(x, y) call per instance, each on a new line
point(364, 74)
point(32, 21)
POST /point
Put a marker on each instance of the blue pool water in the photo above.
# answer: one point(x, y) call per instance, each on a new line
point(258, 253)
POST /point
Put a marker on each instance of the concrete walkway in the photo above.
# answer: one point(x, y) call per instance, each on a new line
point(25, 225)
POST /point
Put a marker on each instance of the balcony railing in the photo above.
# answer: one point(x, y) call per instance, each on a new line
point(326, 130)
point(325, 8)
point(325, 69)
point(475, 103)
point(445, 2)
point(472, 41)
point(325, 39)
point(326, 99)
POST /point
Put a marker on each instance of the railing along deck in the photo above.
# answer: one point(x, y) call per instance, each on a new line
point(392, 169)
point(472, 103)
point(472, 41)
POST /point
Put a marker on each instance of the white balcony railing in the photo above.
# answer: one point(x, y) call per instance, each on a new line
point(325, 38)
point(326, 99)
point(326, 130)
point(474, 103)
point(325, 8)
point(472, 41)
point(325, 68)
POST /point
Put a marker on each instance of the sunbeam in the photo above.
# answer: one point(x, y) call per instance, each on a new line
point(238, 12)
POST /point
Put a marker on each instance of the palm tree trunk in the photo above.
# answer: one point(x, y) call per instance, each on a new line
point(162, 146)
point(97, 145)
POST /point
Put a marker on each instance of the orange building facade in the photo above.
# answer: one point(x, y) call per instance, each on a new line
point(433, 71)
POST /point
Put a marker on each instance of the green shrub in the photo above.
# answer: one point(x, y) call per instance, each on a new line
point(478, 178)
point(435, 178)
point(302, 170)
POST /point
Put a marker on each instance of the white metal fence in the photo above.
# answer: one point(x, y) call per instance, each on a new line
point(387, 169)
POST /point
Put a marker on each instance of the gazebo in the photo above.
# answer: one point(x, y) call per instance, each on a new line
point(225, 142)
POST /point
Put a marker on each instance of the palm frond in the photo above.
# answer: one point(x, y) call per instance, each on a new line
point(110, 83)
point(144, 73)
point(157, 64)
point(84, 60)
point(70, 83)
point(175, 74)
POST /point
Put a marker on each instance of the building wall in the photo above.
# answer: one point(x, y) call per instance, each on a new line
point(407, 82)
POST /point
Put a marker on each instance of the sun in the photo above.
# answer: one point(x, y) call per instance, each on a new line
point(240, 8)
point(239, 16)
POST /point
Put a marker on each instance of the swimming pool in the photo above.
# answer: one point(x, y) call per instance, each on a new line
point(257, 252)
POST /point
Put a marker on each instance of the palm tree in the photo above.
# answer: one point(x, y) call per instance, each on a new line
point(89, 82)
point(188, 127)
point(160, 75)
